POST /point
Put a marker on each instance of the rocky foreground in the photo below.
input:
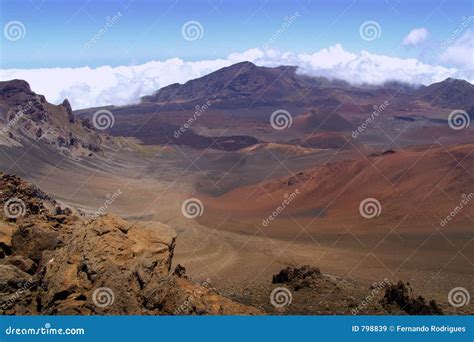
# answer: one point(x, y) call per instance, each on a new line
point(55, 261)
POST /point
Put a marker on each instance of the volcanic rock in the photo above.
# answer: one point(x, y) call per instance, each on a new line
point(400, 296)
point(304, 276)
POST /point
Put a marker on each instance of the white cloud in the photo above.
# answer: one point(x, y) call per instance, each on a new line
point(88, 87)
point(416, 36)
point(461, 51)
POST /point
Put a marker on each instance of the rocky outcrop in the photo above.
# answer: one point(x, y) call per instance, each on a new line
point(26, 116)
point(22, 199)
point(13, 87)
point(68, 108)
point(12, 278)
point(302, 277)
point(133, 260)
point(399, 297)
point(64, 264)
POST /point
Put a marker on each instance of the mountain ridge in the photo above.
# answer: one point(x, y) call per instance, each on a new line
point(263, 85)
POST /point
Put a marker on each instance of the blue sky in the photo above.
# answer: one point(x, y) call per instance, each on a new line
point(56, 31)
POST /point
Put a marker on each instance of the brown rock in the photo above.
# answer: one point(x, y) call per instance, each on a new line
point(6, 232)
point(180, 271)
point(304, 276)
point(68, 109)
point(12, 278)
point(199, 299)
point(133, 261)
point(32, 238)
point(399, 296)
point(25, 264)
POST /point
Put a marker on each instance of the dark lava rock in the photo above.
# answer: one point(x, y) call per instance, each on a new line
point(180, 271)
point(14, 86)
point(400, 297)
point(384, 153)
point(302, 277)
point(12, 278)
point(68, 108)
point(25, 264)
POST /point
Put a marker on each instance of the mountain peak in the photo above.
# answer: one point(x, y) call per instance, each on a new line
point(15, 86)
point(242, 64)
point(455, 80)
point(450, 93)
point(237, 82)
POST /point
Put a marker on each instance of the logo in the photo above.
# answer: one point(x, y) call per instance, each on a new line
point(103, 297)
point(281, 119)
point(458, 296)
point(370, 30)
point(192, 30)
point(370, 208)
point(281, 297)
point(14, 30)
point(14, 208)
point(192, 208)
point(458, 119)
point(103, 119)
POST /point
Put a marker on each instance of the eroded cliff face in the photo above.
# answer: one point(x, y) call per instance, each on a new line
point(55, 261)
point(28, 120)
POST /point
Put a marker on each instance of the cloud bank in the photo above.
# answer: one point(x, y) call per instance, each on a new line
point(122, 85)
point(461, 51)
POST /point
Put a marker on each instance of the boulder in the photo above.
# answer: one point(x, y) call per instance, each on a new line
point(304, 276)
point(32, 238)
point(133, 260)
point(12, 278)
point(25, 264)
point(399, 296)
